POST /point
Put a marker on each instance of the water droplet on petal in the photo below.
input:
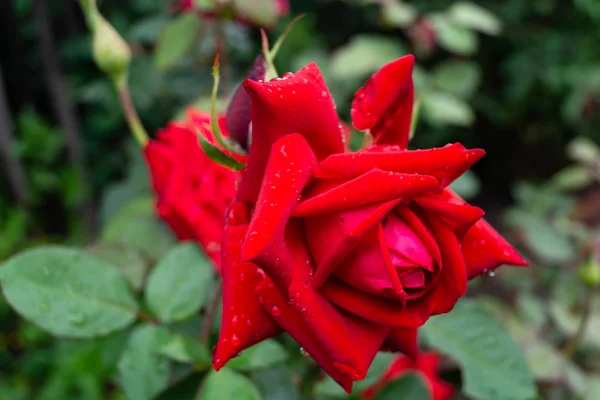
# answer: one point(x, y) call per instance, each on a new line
point(235, 341)
point(234, 321)
point(303, 352)
point(248, 323)
point(275, 311)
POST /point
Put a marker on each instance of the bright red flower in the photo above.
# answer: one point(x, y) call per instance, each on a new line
point(338, 248)
point(192, 191)
point(426, 365)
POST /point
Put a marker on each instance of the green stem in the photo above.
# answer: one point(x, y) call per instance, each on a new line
point(571, 345)
point(133, 120)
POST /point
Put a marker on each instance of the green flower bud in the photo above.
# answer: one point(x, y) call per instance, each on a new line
point(111, 52)
point(589, 273)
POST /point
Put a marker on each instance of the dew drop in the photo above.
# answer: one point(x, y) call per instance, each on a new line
point(234, 321)
point(261, 300)
point(242, 277)
point(303, 352)
point(275, 311)
point(323, 94)
point(248, 323)
point(287, 75)
point(77, 318)
point(491, 274)
point(235, 341)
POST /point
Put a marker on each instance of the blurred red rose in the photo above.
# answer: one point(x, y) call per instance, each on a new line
point(426, 366)
point(192, 191)
point(338, 248)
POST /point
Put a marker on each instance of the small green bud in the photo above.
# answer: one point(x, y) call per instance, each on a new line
point(111, 52)
point(589, 273)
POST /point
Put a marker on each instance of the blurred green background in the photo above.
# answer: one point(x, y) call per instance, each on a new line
point(518, 78)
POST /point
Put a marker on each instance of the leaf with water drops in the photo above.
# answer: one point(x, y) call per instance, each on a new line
point(407, 387)
point(493, 365)
point(67, 292)
point(177, 285)
point(143, 372)
point(228, 385)
point(262, 355)
point(185, 349)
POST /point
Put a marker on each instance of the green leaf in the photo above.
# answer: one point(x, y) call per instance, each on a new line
point(142, 372)
point(453, 37)
point(574, 177)
point(475, 17)
point(185, 349)
point(177, 285)
point(461, 78)
point(382, 361)
point(276, 383)
point(407, 387)
point(467, 185)
point(398, 14)
point(176, 40)
point(445, 109)
point(215, 154)
point(549, 244)
point(136, 225)
point(492, 363)
point(259, 12)
point(364, 55)
point(228, 385)
point(129, 261)
point(68, 292)
point(262, 355)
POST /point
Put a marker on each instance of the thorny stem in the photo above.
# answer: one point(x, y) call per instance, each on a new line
point(571, 345)
point(209, 315)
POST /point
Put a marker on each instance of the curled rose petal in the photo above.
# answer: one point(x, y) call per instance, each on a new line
point(290, 166)
point(332, 236)
point(372, 187)
point(243, 320)
point(445, 163)
point(404, 341)
point(281, 107)
point(384, 105)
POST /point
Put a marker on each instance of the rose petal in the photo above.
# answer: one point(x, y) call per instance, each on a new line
point(289, 169)
point(423, 232)
point(290, 320)
point(243, 320)
point(402, 240)
point(372, 187)
point(404, 341)
point(445, 163)
point(452, 284)
point(483, 248)
point(459, 217)
point(239, 111)
point(384, 105)
point(337, 331)
point(332, 236)
point(366, 269)
point(385, 312)
point(300, 103)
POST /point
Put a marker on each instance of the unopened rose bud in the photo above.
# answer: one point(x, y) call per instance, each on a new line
point(589, 273)
point(111, 52)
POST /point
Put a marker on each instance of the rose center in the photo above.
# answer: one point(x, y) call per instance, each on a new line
point(409, 255)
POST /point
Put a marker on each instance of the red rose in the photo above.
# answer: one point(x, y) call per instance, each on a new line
point(426, 366)
point(192, 191)
point(347, 252)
